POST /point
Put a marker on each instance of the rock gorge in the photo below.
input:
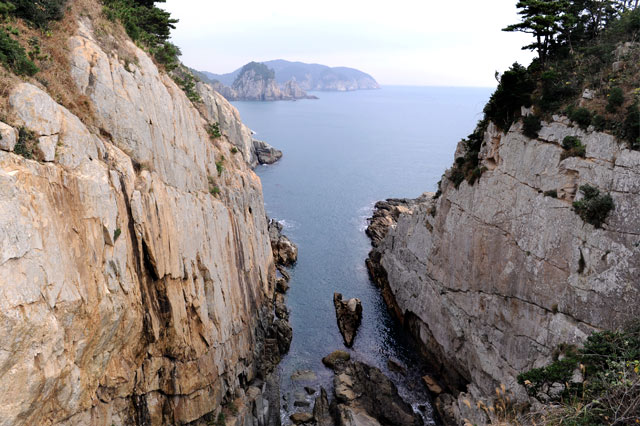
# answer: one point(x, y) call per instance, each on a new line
point(492, 278)
point(136, 275)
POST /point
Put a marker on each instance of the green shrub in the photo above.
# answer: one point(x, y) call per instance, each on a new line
point(220, 165)
point(631, 126)
point(213, 188)
point(531, 125)
point(615, 99)
point(609, 393)
point(116, 234)
point(467, 167)
point(594, 207)
point(234, 150)
point(148, 25)
point(573, 148)
point(513, 92)
point(599, 122)
point(581, 116)
point(26, 144)
point(188, 85)
point(214, 131)
point(38, 12)
point(557, 88)
point(551, 193)
point(14, 57)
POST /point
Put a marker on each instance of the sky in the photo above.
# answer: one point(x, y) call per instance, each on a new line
point(401, 42)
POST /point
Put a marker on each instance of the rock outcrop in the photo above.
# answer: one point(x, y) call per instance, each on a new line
point(265, 153)
point(284, 251)
point(348, 316)
point(130, 292)
point(491, 278)
point(365, 396)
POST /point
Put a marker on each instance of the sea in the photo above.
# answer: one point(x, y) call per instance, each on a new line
point(343, 152)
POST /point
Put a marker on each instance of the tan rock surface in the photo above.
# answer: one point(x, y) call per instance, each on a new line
point(128, 293)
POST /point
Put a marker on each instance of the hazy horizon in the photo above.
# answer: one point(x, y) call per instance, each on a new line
point(410, 44)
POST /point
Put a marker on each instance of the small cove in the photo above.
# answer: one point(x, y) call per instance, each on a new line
point(342, 153)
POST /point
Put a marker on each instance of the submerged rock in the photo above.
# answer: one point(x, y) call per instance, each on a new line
point(301, 418)
point(349, 316)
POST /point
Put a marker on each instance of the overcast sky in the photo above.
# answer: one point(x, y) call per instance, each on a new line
point(405, 42)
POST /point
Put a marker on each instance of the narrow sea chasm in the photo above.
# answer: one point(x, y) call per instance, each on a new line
point(342, 153)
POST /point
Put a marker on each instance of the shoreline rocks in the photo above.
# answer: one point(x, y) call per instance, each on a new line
point(349, 317)
point(284, 251)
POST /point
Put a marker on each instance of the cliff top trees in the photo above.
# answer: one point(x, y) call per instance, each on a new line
point(557, 24)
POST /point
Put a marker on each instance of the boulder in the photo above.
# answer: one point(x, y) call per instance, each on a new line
point(266, 153)
point(8, 137)
point(47, 147)
point(335, 358)
point(396, 366)
point(301, 418)
point(281, 310)
point(349, 316)
point(284, 251)
point(433, 386)
point(281, 285)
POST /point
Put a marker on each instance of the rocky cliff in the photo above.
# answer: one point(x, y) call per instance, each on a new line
point(493, 278)
point(136, 275)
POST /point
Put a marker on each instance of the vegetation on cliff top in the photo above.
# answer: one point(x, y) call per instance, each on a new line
point(588, 68)
point(261, 72)
point(147, 25)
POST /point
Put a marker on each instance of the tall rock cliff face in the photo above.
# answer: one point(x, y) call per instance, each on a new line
point(492, 278)
point(129, 293)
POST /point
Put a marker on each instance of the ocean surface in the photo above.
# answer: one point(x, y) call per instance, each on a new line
point(342, 153)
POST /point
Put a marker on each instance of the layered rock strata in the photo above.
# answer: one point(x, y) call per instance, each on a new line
point(491, 278)
point(131, 292)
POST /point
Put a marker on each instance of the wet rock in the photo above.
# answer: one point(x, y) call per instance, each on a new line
point(285, 274)
point(301, 403)
point(284, 251)
point(349, 316)
point(396, 366)
point(364, 393)
point(284, 334)
point(309, 390)
point(280, 307)
point(266, 153)
point(304, 376)
point(336, 357)
point(281, 285)
point(321, 410)
point(433, 386)
point(301, 418)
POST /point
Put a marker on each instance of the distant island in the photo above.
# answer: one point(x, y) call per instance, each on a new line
point(285, 80)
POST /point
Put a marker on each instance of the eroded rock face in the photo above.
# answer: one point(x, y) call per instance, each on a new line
point(349, 317)
point(129, 294)
point(491, 278)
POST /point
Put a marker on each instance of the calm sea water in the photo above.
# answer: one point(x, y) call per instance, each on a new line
point(342, 153)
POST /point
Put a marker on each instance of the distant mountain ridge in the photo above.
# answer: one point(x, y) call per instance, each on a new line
point(308, 76)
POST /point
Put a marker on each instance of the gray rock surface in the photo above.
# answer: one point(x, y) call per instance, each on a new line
point(266, 153)
point(348, 316)
point(491, 278)
point(8, 137)
point(284, 251)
